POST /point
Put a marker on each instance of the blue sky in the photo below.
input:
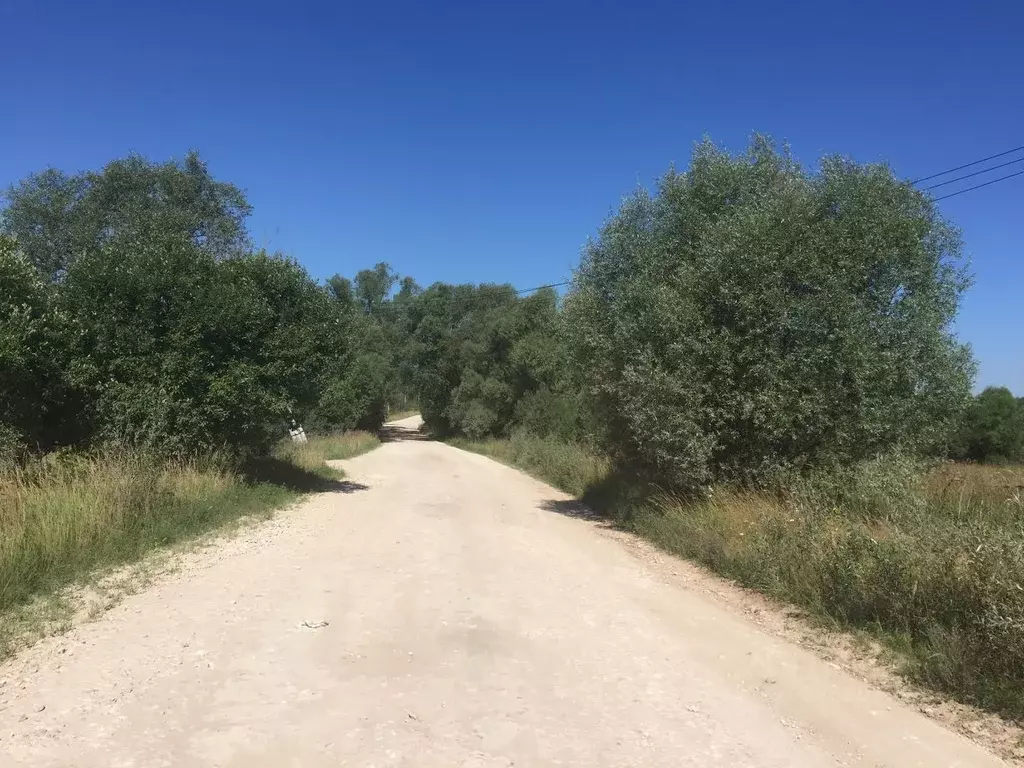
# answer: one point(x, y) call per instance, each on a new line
point(484, 141)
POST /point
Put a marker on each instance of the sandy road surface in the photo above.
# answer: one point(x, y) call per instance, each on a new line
point(468, 623)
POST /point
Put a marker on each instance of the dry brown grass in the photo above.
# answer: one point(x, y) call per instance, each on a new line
point(990, 484)
point(61, 516)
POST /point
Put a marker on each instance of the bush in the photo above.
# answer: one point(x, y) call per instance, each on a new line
point(22, 332)
point(33, 390)
point(559, 413)
point(355, 397)
point(366, 373)
point(181, 353)
point(753, 318)
point(993, 429)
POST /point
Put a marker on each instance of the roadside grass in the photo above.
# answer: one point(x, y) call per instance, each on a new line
point(567, 466)
point(928, 560)
point(63, 517)
point(332, 447)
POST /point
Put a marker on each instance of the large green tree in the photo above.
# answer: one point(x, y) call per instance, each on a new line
point(56, 217)
point(994, 427)
point(753, 317)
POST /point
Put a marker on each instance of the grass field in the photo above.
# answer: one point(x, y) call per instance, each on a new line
point(64, 516)
point(930, 560)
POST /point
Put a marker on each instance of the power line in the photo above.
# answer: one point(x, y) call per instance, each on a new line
point(539, 287)
point(976, 173)
point(978, 186)
point(916, 181)
point(968, 165)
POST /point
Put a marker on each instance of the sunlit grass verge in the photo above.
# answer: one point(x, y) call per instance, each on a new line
point(311, 455)
point(929, 561)
point(571, 467)
point(64, 516)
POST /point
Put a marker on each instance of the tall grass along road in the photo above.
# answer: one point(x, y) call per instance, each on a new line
point(68, 517)
point(444, 610)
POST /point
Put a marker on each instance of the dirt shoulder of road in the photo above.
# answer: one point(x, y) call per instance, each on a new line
point(858, 655)
point(442, 609)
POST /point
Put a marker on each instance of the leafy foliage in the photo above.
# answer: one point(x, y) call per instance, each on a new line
point(33, 387)
point(371, 375)
point(181, 352)
point(56, 217)
point(993, 429)
point(134, 312)
point(752, 317)
point(487, 360)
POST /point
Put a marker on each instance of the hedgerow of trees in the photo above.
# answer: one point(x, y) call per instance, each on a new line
point(134, 311)
point(748, 319)
point(370, 375)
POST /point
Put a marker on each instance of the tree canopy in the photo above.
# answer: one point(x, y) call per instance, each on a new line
point(753, 317)
point(56, 217)
point(993, 428)
point(747, 319)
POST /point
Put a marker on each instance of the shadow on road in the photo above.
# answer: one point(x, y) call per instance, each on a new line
point(287, 475)
point(392, 433)
point(573, 508)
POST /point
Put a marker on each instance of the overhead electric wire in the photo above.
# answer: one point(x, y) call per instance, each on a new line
point(968, 165)
point(979, 186)
point(976, 173)
point(539, 287)
point(916, 181)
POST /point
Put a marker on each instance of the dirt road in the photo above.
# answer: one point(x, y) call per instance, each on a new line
point(441, 610)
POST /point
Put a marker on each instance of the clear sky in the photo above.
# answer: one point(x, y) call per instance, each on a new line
point(484, 141)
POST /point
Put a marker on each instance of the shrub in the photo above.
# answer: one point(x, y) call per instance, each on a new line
point(355, 396)
point(182, 353)
point(993, 428)
point(22, 332)
point(752, 318)
point(35, 403)
point(363, 376)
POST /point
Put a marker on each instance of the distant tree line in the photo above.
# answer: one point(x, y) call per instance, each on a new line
point(748, 319)
point(992, 429)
